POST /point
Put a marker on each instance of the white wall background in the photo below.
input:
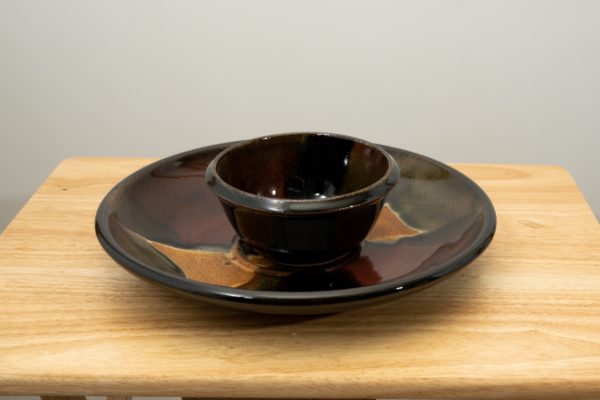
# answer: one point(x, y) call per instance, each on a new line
point(469, 81)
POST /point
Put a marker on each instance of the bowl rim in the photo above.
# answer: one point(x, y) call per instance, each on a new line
point(235, 196)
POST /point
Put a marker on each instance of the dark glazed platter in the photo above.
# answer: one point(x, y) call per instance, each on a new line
point(163, 224)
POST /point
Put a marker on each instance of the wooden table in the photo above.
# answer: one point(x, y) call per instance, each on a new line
point(522, 322)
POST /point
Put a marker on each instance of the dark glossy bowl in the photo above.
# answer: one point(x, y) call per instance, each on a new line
point(303, 199)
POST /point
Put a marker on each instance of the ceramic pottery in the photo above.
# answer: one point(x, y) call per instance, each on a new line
point(302, 199)
point(164, 224)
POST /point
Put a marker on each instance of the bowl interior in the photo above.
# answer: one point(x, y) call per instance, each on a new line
point(302, 166)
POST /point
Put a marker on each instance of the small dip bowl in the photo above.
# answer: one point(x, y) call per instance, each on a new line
point(302, 199)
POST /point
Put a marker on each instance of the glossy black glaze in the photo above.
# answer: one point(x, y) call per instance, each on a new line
point(168, 202)
point(308, 240)
point(302, 166)
point(302, 199)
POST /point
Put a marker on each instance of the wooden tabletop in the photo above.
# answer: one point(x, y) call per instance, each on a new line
point(522, 321)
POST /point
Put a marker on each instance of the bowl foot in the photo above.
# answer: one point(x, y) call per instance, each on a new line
point(290, 263)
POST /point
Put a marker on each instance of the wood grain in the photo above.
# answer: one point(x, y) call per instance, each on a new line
point(68, 398)
point(523, 321)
